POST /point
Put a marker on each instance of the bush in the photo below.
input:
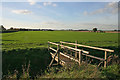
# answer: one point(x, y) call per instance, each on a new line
point(112, 71)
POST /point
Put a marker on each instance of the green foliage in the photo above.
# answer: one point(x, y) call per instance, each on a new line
point(27, 62)
point(74, 71)
point(94, 29)
point(112, 71)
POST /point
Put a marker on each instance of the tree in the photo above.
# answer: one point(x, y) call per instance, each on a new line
point(11, 28)
point(2, 27)
point(94, 29)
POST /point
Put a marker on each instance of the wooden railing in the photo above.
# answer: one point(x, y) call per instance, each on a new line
point(106, 50)
point(60, 53)
point(57, 52)
point(77, 51)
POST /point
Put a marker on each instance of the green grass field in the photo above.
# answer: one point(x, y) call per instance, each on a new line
point(20, 48)
point(25, 39)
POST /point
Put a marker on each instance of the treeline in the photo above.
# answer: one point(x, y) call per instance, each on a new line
point(4, 30)
point(23, 29)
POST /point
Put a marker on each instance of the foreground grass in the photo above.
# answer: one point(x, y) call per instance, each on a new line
point(32, 63)
point(32, 60)
point(75, 71)
point(84, 71)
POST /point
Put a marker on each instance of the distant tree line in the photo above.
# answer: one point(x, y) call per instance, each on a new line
point(23, 29)
point(3, 29)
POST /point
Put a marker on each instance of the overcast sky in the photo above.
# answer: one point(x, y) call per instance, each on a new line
point(60, 15)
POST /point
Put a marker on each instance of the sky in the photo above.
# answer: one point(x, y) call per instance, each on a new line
point(60, 15)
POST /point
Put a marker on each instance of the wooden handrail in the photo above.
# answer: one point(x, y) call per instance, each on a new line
point(52, 49)
point(69, 57)
point(94, 57)
point(53, 43)
point(68, 48)
point(88, 46)
point(75, 49)
point(81, 52)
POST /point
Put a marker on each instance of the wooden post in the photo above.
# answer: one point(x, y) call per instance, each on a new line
point(105, 62)
point(58, 54)
point(76, 48)
point(61, 44)
point(79, 57)
point(86, 60)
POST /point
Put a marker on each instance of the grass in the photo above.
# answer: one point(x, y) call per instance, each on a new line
point(25, 39)
point(25, 55)
point(75, 71)
point(16, 59)
point(84, 71)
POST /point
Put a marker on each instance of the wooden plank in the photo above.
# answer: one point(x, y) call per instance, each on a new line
point(69, 57)
point(58, 54)
point(53, 43)
point(88, 46)
point(52, 60)
point(75, 49)
point(61, 44)
point(94, 57)
point(54, 64)
point(52, 49)
point(105, 62)
point(61, 61)
point(80, 57)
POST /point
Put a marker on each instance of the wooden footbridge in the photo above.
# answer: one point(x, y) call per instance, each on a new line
point(68, 58)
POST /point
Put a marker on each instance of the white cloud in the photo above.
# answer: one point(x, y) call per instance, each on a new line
point(44, 3)
point(54, 5)
point(85, 13)
point(97, 25)
point(49, 4)
point(55, 25)
point(21, 11)
point(111, 8)
point(32, 2)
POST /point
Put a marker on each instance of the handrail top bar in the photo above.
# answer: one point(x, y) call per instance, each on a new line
point(69, 47)
point(76, 49)
point(53, 43)
point(88, 46)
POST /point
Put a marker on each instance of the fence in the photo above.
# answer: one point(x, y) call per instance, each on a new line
point(81, 52)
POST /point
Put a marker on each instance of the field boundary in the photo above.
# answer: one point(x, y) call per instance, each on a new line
point(78, 52)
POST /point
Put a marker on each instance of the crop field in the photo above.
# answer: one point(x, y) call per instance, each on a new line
point(26, 39)
point(28, 49)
